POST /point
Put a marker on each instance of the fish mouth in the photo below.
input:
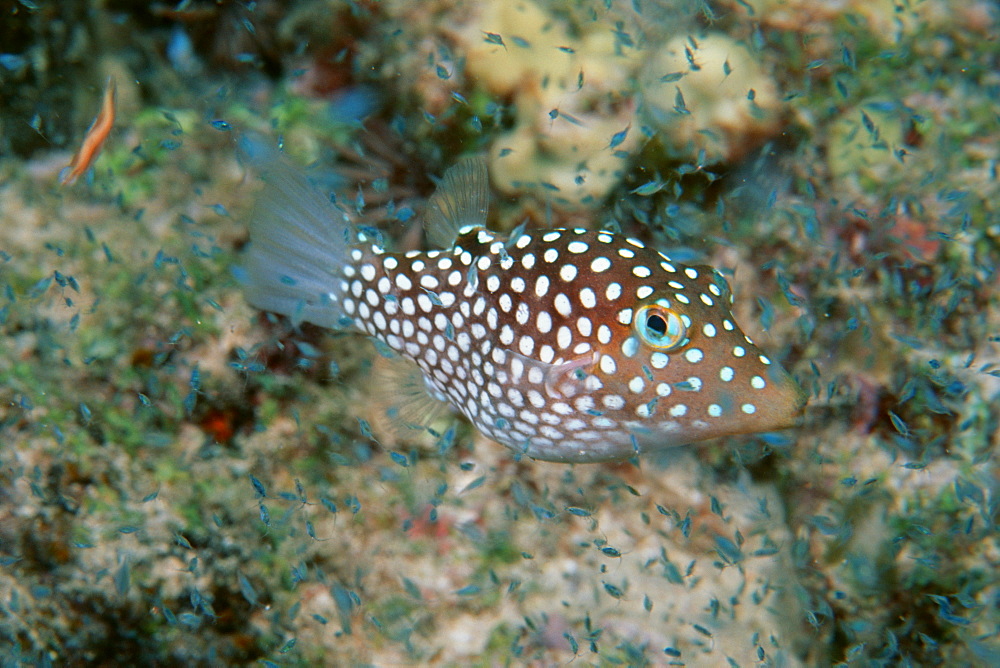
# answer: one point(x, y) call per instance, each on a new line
point(780, 406)
point(785, 406)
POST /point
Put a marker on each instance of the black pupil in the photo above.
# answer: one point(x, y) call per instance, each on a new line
point(657, 324)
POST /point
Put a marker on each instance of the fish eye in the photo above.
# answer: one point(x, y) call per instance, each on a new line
point(661, 327)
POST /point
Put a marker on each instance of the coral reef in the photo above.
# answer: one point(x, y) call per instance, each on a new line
point(190, 481)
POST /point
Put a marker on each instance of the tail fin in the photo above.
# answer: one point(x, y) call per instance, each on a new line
point(299, 241)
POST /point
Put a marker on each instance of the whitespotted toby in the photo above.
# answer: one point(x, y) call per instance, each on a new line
point(564, 345)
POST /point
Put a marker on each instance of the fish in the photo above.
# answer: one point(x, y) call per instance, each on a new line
point(565, 345)
point(94, 138)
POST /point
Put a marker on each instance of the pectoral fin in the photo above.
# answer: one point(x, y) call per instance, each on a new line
point(562, 379)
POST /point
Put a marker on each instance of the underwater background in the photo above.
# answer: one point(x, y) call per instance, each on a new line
point(187, 481)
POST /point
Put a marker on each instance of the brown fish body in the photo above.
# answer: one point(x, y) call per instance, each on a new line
point(564, 345)
point(537, 343)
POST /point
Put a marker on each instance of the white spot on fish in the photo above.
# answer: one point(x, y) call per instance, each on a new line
point(600, 264)
point(563, 305)
point(609, 367)
point(614, 402)
point(564, 337)
point(630, 347)
point(522, 313)
point(546, 354)
point(541, 286)
point(544, 322)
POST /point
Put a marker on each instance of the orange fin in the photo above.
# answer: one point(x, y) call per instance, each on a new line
point(93, 141)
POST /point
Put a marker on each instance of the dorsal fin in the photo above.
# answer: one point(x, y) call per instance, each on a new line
point(461, 200)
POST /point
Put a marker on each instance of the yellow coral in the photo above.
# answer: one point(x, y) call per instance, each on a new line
point(530, 56)
point(574, 112)
point(709, 93)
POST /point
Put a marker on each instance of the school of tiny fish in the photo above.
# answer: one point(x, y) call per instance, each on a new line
point(567, 345)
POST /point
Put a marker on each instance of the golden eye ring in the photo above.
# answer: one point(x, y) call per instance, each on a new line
point(660, 327)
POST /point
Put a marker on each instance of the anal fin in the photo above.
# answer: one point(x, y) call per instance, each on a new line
point(403, 396)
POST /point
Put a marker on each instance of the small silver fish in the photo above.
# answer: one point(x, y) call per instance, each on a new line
point(566, 345)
